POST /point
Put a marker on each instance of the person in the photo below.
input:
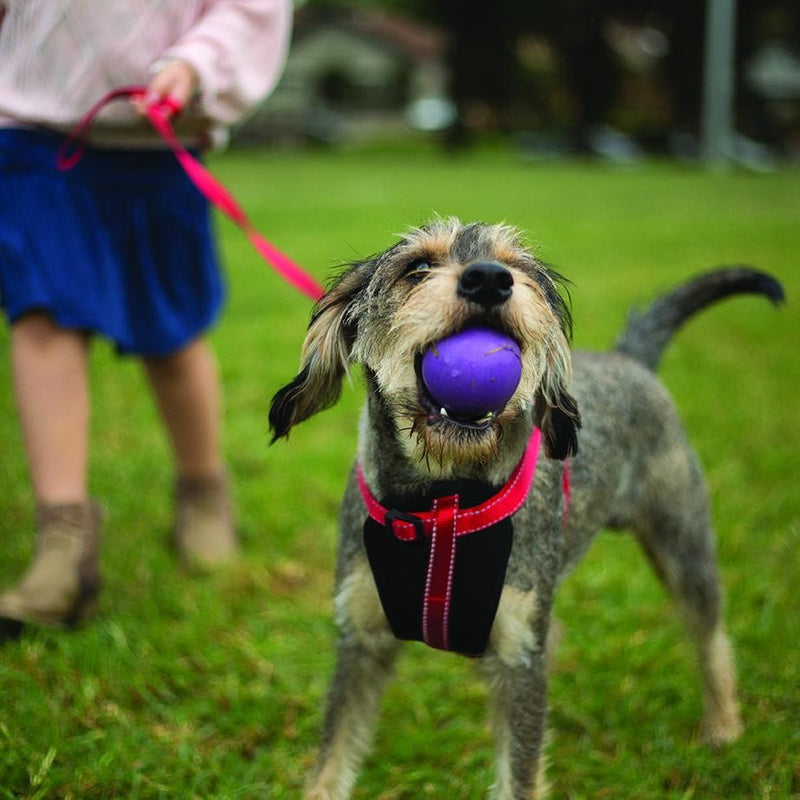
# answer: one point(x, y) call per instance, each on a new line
point(121, 246)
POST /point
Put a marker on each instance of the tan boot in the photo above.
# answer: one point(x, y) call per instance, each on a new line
point(204, 530)
point(61, 586)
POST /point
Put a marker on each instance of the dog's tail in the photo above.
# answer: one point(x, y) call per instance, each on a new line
point(648, 332)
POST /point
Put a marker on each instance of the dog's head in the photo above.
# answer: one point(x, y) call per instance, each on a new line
point(384, 312)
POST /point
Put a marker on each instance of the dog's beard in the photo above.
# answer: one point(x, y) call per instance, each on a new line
point(447, 443)
point(443, 443)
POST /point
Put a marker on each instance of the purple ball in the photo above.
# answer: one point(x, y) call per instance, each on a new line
point(472, 373)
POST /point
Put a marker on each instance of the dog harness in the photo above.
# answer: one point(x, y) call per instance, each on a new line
point(440, 572)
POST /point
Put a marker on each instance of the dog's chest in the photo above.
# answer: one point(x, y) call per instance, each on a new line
point(441, 587)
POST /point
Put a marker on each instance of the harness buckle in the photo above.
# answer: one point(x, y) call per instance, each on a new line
point(393, 514)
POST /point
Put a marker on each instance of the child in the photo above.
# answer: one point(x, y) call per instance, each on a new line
point(119, 246)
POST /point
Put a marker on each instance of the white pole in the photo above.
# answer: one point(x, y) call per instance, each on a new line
point(718, 81)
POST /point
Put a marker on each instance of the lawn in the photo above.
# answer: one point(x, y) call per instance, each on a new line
point(213, 687)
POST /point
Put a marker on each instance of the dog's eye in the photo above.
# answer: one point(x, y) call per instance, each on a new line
point(418, 269)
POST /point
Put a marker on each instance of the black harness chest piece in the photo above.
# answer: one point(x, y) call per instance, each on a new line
point(440, 589)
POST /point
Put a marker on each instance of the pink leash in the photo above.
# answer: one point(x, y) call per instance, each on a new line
point(159, 115)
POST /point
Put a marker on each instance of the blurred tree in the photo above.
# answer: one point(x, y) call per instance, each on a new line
point(489, 85)
point(482, 61)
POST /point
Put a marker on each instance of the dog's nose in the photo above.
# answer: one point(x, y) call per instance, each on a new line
point(486, 283)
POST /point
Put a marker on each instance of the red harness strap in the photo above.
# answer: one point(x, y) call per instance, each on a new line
point(439, 583)
point(505, 503)
point(445, 522)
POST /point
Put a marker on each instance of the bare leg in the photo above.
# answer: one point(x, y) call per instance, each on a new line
point(50, 372)
point(188, 395)
point(51, 387)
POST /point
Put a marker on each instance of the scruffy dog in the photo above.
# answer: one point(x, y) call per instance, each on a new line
point(441, 540)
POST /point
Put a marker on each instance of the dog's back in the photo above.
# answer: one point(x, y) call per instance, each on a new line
point(634, 462)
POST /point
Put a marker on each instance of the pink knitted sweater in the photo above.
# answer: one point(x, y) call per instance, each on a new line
point(58, 57)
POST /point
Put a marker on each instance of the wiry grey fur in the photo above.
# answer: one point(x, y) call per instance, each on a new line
point(633, 469)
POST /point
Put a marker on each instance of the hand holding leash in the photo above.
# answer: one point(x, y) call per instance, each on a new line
point(173, 80)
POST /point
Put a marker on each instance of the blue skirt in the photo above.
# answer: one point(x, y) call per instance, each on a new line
point(121, 245)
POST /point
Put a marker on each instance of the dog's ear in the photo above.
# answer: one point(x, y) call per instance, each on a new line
point(556, 411)
point(559, 425)
point(325, 355)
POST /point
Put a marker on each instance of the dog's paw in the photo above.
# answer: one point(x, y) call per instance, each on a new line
point(316, 793)
point(722, 729)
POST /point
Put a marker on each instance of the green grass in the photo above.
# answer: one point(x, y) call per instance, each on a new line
point(213, 687)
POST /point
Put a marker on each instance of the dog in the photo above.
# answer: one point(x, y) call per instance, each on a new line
point(613, 456)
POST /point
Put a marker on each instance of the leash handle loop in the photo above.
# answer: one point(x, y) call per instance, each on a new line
point(159, 115)
point(74, 146)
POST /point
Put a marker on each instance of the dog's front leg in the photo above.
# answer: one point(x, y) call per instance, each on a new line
point(518, 698)
point(516, 670)
point(353, 704)
point(365, 657)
